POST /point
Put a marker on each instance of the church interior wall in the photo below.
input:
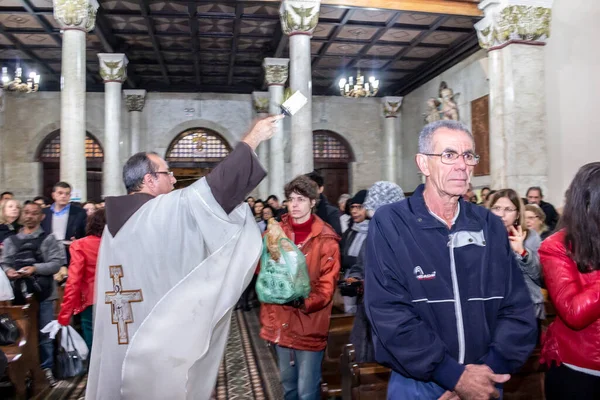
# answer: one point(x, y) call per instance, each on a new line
point(572, 83)
point(468, 80)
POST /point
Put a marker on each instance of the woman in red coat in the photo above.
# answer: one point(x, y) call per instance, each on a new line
point(571, 265)
point(79, 292)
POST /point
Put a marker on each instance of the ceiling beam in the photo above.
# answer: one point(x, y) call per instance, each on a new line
point(192, 12)
point(236, 34)
point(145, 9)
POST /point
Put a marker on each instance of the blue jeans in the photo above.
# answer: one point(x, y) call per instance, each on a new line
point(301, 381)
point(46, 345)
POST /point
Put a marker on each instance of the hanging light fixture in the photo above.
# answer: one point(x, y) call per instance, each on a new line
point(32, 84)
point(358, 88)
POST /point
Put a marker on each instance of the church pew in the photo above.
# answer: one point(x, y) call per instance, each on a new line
point(340, 326)
point(23, 357)
point(362, 381)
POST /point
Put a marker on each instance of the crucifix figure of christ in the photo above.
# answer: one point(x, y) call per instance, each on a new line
point(120, 303)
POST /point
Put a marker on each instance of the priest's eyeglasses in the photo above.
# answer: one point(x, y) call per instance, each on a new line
point(170, 173)
point(451, 157)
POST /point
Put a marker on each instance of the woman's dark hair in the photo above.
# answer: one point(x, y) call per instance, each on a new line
point(581, 218)
point(268, 207)
point(95, 223)
point(304, 186)
point(254, 206)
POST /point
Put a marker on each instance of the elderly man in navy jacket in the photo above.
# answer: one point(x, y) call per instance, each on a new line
point(448, 305)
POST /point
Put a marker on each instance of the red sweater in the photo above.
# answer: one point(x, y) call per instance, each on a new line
point(301, 231)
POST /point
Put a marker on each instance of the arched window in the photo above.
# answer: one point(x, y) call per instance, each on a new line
point(331, 156)
point(194, 153)
point(49, 155)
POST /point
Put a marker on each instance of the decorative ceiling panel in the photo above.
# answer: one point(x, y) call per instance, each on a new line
point(258, 27)
point(47, 4)
point(344, 48)
point(145, 69)
point(332, 12)
point(371, 63)
point(136, 40)
point(93, 41)
point(50, 19)
point(315, 47)
point(406, 64)
point(9, 54)
point(119, 5)
point(215, 80)
point(417, 19)
point(384, 51)
point(140, 55)
point(10, 3)
point(171, 25)
point(391, 75)
point(249, 59)
point(215, 43)
point(399, 35)
point(4, 40)
point(49, 54)
point(357, 32)
point(177, 56)
point(438, 37)
point(35, 39)
point(423, 52)
point(214, 57)
point(262, 10)
point(324, 73)
point(19, 21)
point(247, 71)
point(333, 62)
point(322, 31)
point(216, 9)
point(214, 70)
point(180, 69)
point(247, 44)
point(168, 6)
point(207, 25)
point(460, 22)
point(245, 80)
point(128, 23)
point(372, 15)
point(174, 42)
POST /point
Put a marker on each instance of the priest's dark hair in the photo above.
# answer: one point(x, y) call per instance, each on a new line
point(317, 178)
point(304, 186)
point(95, 223)
point(134, 170)
point(581, 218)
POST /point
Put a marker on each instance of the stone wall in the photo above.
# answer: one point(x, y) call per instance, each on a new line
point(469, 82)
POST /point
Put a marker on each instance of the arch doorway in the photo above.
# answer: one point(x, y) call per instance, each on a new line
point(49, 155)
point(194, 153)
point(332, 157)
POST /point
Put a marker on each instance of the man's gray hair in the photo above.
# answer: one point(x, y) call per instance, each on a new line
point(136, 168)
point(344, 197)
point(426, 135)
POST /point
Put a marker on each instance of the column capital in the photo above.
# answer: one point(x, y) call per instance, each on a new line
point(75, 14)
point(260, 101)
point(113, 67)
point(299, 17)
point(514, 21)
point(391, 106)
point(276, 70)
point(135, 99)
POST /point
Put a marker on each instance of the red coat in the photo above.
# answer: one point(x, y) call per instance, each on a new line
point(79, 292)
point(574, 337)
point(307, 328)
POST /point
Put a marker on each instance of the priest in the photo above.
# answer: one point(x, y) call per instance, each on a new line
point(171, 266)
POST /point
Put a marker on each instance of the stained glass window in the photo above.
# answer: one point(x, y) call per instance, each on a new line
point(197, 145)
point(329, 147)
point(51, 150)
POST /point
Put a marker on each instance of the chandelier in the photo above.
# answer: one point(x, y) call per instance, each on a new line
point(358, 88)
point(17, 85)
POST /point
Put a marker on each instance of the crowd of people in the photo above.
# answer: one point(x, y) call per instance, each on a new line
point(446, 285)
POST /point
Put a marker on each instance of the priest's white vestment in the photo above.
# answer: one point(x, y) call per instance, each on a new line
point(166, 283)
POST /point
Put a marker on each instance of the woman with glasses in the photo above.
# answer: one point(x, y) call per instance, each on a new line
point(524, 242)
point(571, 263)
point(535, 218)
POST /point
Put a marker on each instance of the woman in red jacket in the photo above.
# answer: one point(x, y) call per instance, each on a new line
point(299, 329)
point(571, 265)
point(79, 292)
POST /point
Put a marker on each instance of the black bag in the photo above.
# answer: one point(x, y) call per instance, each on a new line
point(350, 289)
point(67, 364)
point(9, 331)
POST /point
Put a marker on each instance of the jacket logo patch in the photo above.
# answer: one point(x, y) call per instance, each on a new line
point(420, 275)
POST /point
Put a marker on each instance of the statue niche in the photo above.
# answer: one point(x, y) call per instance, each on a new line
point(443, 107)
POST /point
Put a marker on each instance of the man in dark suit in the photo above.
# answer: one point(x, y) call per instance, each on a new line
point(535, 196)
point(64, 220)
point(326, 211)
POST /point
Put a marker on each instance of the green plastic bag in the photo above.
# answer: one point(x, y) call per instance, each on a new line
point(283, 281)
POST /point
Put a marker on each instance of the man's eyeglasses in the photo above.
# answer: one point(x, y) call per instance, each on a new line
point(170, 173)
point(451, 157)
point(500, 210)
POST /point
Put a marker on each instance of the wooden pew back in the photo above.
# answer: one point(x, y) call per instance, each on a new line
point(340, 326)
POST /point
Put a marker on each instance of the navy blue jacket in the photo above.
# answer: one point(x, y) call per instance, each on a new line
point(439, 299)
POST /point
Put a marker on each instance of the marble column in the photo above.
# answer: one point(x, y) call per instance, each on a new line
point(260, 101)
point(276, 74)
point(391, 130)
point(75, 19)
point(113, 70)
point(514, 32)
point(135, 101)
point(298, 20)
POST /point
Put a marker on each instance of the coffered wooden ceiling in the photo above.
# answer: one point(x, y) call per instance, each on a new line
point(219, 46)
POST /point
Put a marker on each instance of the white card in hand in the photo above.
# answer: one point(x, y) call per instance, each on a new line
point(292, 105)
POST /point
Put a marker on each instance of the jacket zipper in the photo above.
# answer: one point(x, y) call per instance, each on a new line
point(460, 328)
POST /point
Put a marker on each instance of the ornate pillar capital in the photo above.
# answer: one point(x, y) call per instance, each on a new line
point(514, 21)
point(299, 17)
point(135, 99)
point(260, 101)
point(113, 67)
point(391, 106)
point(75, 14)
point(276, 70)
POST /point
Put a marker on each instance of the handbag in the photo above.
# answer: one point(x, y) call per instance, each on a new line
point(9, 331)
point(68, 364)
